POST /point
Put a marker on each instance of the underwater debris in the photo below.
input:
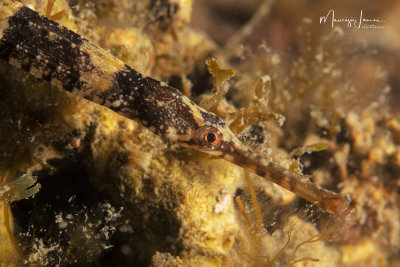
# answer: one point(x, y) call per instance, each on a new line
point(88, 228)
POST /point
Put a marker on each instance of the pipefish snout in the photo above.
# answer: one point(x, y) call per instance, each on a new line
point(218, 139)
point(56, 54)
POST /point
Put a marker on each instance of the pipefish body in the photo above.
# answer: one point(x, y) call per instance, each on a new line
point(56, 54)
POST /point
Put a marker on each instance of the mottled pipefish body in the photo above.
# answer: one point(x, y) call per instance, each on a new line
point(53, 53)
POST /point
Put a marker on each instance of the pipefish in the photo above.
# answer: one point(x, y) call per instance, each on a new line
point(56, 54)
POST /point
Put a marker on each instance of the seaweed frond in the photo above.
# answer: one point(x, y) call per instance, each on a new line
point(296, 166)
point(308, 149)
point(258, 110)
point(315, 238)
point(257, 234)
point(220, 87)
point(22, 187)
point(56, 16)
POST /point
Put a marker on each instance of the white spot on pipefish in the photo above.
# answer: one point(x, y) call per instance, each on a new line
point(171, 133)
point(160, 103)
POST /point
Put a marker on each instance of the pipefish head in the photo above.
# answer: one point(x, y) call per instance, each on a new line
point(213, 136)
point(172, 115)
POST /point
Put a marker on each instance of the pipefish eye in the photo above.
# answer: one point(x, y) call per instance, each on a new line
point(209, 137)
